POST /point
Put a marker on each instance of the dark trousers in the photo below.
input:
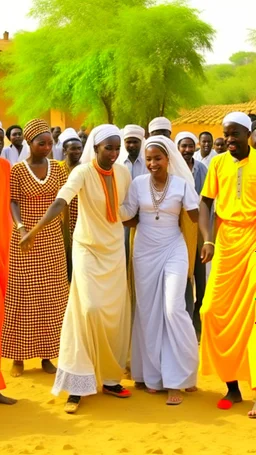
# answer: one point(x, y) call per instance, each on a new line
point(200, 280)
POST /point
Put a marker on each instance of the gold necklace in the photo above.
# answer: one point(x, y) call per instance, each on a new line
point(154, 193)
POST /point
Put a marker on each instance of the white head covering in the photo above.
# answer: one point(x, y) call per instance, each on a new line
point(96, 136)
point(177, 165)
point(134, 131)
point(68, 134)
point(185, 135)
point(131, 131)
point(159, 123)
point(238, 117)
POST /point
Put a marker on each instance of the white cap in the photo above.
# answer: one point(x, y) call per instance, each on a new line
point(159, 123)
point(238, 117)
point(134, 131)
point(185, 135)
point(69, 134)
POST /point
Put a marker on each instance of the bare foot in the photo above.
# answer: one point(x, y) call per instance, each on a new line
point(6, 400)
point(17, 368)
point(174, 397)
point(140, 385)
point(252, 413)
point(48, 366)
point(192, 389)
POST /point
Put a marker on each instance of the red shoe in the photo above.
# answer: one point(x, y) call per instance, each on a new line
point(116, 390)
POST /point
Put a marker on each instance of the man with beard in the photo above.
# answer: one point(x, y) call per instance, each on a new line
point(18, 150)
point(206, 152)
point(228, 342)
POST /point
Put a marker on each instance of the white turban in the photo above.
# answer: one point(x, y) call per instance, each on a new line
point(134, 131)
point(238, 117)
point(69, 134)
point(177, 166)
point(185, 135)
point(96, 136)
point(159, 123)
point(131, 131)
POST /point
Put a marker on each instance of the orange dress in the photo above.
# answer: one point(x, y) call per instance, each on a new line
point(5, 220)
point(37, 290)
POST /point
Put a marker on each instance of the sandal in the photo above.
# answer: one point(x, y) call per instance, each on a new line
point(72, 404)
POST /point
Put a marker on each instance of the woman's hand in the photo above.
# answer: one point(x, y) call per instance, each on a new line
point(27, 241)
point(132, 222)
point(207, 253)
point(22, 232)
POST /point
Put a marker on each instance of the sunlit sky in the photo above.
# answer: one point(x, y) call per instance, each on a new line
point(230, 19)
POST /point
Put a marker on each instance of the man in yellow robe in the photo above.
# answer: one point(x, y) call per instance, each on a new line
point(228, 343)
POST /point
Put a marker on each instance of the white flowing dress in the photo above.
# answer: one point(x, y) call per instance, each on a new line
point(164, 344)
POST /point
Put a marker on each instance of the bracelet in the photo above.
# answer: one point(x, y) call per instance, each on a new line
point(209, 243)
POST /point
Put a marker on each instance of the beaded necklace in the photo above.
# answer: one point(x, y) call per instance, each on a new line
point(155, 193)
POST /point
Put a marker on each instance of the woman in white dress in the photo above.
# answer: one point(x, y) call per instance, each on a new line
point(164, 344)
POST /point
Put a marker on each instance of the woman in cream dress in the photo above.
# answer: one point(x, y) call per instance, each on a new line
point(96, 328)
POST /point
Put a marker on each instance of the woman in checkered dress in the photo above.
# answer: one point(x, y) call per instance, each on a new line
point(37, 290)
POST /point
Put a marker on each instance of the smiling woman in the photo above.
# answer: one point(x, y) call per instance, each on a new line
point(96, 328)
point(37, 289)
point(164, 344)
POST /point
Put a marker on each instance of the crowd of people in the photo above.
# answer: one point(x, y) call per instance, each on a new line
point(106, 258)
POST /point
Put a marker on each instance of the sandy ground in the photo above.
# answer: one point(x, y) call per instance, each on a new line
point(106, 425)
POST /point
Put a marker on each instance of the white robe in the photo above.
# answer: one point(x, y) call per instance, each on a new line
point(164, 344)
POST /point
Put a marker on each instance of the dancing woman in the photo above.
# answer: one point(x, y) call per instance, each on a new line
point(164, 344)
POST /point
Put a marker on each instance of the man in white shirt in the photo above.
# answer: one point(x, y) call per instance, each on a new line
point(131, 153)
point(18, 150)
point(206, 152)
point(57, 149)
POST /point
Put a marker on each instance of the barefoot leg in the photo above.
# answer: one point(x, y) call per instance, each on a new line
point(6, 400)
point(48, 366)
point(17, 368)
point(252, 413)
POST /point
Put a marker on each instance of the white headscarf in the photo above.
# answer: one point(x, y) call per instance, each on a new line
point(96, 136)
point(177, 164)
point(131, 131)
point(1, 127)
point(185, 135)
point(159, 123)
point(238, 117)
point(68, 134)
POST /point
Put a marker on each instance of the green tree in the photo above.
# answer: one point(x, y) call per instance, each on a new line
point(118, 61)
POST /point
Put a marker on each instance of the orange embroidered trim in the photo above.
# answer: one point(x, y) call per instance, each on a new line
point(111, 217)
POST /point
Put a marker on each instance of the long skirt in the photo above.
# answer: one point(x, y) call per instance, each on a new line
point(164, 344)
point(96, 329)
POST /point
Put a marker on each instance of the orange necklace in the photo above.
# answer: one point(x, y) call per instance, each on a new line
point(111, 217)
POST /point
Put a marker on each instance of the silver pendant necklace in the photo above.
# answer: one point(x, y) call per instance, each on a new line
point(155, 193)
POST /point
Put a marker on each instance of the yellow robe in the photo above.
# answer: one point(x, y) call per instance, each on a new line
point(228, 342)
point(96, 328)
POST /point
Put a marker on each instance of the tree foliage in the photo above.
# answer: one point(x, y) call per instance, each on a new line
point(231, 83)
point(117, 61)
